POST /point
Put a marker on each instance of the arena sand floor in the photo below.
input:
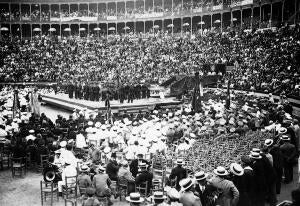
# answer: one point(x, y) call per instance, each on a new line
point(26, 191)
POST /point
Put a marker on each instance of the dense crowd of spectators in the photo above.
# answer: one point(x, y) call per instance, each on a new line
point(255, 56)
point(144, 138)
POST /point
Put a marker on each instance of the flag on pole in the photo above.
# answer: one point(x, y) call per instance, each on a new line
point(34, 102)
point(16, 104)
point(228, 96)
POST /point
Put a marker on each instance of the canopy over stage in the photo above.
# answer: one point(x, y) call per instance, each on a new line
point(63, 101)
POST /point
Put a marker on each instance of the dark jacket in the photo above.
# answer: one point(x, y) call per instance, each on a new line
point(144, 176)
point(112, 169)
point(180, 173)
point(134, 166)
point(206, 196)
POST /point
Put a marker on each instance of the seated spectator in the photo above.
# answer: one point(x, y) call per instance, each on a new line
point(102, 184)
point(84, 180)
point(112, 168)
point(144, 176)
point(91, 200)
point(125, 174)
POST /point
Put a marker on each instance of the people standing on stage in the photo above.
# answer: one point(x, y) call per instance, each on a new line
point(137, 90)
point(96, 92)
point(131, 94)
point(86, 91)
point(121, 94)
point(144, 89)
point(91, 92)
point(71, 89)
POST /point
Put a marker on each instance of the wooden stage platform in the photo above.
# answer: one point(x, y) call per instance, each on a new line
point(63, 101)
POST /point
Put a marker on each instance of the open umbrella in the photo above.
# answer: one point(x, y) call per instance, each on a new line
point(185, 24)
point(81, 29)
point(67, 29)
point(52, 29)
point(170, 25)
point(156, 27)
point(111, 29)
point(97, 29)
point(126, 28)
point(4, 29)
point(217, 21)
point(201, 22)
point(36, 29)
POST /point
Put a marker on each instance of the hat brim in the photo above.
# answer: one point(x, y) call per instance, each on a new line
point(234, 172)
point(185, 188)
point(257, 158)
point(137, 201)
point(160, 198)
point(220, 174)
point(282, 131)
point(202, 178)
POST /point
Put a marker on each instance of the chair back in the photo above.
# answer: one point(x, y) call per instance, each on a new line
point(18, 162)
point(44, 159)
point(47, 186)
point(93, 142)
point(122, 182)
point(173, 182)
point(71, 182)
point(142, 188)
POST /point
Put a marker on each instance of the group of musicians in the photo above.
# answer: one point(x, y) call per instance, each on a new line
point(94, 92)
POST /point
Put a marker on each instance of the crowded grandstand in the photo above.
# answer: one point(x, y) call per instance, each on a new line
point(154, 102)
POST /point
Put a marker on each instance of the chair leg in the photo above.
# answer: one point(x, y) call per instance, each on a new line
point(42, 198)
point(51, 198)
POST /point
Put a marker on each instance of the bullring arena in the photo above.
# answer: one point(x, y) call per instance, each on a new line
point(154, 102)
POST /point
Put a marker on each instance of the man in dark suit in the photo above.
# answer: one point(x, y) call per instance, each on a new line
point(131, 94)
point(260, 186)
point(248, 179)
point(205, 191)
point(178, 172)
point(86, 91)
point(71, 90)
point(289, 152)
point(112, 168)
point(144, 176)
point(96, 93)
point(275, 151)
point(134, 165)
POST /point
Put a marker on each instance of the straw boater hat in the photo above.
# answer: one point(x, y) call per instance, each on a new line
point(255, 155)
point(221, 171)
point(200, 176)
point(134, 197)
point(63, 144)
point(143, 165)
point(84, 167)
point(236, 169)
point(158, 196)
point(101, 168)
point(186, 184)
point(255, 150)
point(282, 130)
point(268, 142)
point(179, 161)
point(285, 138)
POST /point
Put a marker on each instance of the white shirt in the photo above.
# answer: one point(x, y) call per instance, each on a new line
point(69, 171)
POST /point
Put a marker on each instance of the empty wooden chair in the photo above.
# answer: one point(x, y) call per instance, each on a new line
point(48, 189)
